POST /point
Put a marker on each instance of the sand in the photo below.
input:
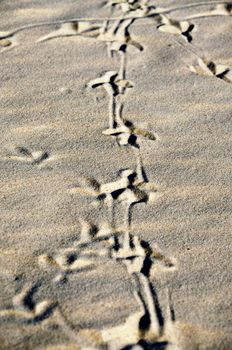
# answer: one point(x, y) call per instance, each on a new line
point(115, 175)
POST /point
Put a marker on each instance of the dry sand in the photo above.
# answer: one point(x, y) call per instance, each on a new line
point(66, 285)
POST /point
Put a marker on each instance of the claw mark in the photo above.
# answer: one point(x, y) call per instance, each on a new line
point(25, 309)
point(172, 26)
point(87, 185)
point(24, 155)
point(88, 233)
point(209, 68)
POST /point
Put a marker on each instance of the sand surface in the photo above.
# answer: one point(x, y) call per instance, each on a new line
point(83, 265)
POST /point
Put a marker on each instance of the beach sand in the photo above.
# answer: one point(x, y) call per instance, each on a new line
point(52, 134)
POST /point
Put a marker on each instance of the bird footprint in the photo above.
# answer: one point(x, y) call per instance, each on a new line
point(23, 154)
point(26, 309)
point(209, 68)
point(172, 26)
point(67, 261)
point(127, 133)
point(117, 36)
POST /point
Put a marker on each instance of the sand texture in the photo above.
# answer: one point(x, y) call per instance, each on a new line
point(115, 175)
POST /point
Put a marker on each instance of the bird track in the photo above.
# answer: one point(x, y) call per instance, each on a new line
point(23, 154)
point(150, 327)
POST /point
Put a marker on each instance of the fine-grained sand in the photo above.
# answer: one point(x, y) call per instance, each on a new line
point(55, 132)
